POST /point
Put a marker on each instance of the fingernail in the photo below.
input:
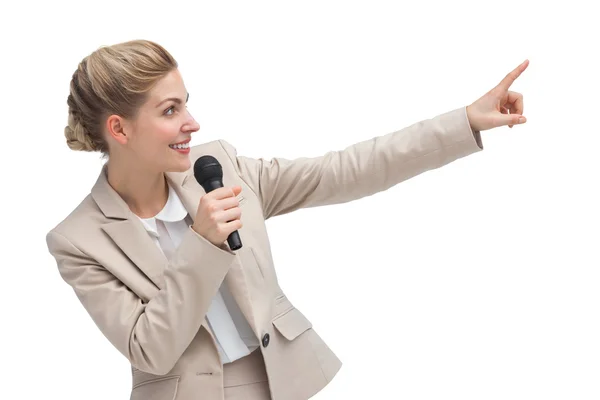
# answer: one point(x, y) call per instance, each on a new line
point(521, 120)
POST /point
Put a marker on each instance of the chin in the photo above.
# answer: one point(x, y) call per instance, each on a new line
point(181, 166)
point(184, 166)
point(176, 161)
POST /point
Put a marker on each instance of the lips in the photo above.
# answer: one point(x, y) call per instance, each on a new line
point(181, 146)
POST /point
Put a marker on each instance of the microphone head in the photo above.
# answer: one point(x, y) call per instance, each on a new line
point(206, 169)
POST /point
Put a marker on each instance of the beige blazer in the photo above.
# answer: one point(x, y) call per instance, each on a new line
point(153, 311)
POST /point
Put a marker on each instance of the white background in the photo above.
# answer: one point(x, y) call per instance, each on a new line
point(479, 280)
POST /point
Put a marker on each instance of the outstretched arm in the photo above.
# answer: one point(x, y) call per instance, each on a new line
point(359, 170)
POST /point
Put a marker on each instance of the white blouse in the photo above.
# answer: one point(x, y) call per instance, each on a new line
point(235, 338)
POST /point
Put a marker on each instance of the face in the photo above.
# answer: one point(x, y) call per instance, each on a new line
point(158, 138)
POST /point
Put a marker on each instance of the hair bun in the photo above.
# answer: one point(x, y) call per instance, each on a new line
point(77, 137)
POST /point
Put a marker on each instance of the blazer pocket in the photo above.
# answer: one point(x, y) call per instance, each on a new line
point(292, 323)
point(156, 389)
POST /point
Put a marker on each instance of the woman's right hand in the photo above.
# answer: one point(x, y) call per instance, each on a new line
point(218, 214)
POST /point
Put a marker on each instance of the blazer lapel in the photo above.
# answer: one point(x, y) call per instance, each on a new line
point(127, 231)
point(133, 239)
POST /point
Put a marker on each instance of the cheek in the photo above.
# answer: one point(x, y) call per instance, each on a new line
point(153, 135)
point(161, 134)
point(168, 131)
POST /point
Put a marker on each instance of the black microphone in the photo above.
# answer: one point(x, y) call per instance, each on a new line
point(209, 174)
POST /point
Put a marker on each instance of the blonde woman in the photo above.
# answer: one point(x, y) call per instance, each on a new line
point(146, 251)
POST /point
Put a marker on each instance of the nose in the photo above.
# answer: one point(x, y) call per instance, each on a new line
point(191, 125)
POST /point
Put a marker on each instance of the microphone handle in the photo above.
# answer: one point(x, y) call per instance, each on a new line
point(233, 240)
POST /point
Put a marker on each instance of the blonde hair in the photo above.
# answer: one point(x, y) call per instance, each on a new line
point(112, 80)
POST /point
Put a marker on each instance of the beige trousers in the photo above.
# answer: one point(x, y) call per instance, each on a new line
point(246, 378)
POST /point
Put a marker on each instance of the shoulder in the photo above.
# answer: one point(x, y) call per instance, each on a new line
point(77, 224)
point(217, 148)
point(84, 213)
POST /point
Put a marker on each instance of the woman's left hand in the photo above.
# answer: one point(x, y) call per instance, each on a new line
point(499, 106)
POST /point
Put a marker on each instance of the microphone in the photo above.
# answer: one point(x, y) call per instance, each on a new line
point(209, 174)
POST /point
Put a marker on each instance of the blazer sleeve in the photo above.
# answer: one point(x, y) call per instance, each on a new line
point(154, 334)
point(359, 170)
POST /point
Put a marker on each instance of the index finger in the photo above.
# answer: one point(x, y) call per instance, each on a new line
point(512, 76)
point(221, 193)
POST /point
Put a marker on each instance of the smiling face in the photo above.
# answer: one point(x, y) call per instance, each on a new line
point(157, 138)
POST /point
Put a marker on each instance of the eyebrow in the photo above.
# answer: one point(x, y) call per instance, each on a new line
point(175, 99)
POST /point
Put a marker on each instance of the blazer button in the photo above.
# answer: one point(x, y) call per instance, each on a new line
point(265, 340)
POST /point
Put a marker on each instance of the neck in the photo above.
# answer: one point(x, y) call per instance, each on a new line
point(145, 192)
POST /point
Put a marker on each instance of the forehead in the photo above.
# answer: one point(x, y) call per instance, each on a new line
point(170, 85)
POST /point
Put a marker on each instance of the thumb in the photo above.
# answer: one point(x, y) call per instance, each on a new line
point(513, 119)
point(237, 190)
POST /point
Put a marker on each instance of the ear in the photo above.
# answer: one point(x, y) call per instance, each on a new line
point(117, 129)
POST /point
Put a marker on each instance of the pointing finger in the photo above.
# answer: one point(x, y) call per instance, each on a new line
point(508, 80)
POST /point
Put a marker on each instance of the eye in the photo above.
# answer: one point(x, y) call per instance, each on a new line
point(168, 109)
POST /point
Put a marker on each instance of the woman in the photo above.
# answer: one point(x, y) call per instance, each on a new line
point(146, 251)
